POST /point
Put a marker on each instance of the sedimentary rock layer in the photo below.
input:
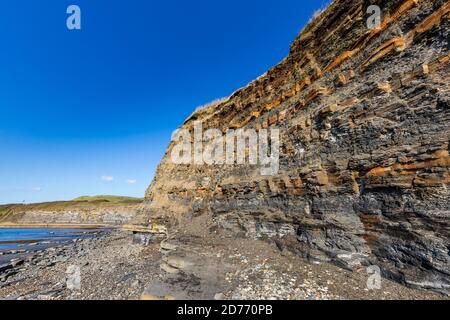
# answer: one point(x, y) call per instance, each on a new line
point(71, 213)
point(364, 165)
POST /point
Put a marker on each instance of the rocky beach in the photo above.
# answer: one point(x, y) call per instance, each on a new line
point(119, 265)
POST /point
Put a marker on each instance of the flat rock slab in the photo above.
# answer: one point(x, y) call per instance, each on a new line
point(189, 274)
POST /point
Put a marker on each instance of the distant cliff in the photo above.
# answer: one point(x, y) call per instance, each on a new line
point(102, 210)
point(364, 167)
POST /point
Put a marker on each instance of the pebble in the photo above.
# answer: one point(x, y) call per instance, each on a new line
point(16, 262)
point(219, 296)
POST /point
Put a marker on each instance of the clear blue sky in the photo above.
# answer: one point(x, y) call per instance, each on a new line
point(76, 106)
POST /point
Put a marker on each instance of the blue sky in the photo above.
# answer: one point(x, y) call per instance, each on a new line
point(91, 111)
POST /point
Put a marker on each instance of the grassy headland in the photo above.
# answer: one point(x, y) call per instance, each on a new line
point(87, 204)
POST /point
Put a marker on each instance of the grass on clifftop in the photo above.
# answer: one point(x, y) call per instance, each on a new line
point(85, 203)
point(106, 198)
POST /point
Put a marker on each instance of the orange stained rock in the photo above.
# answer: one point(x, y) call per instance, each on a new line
point(288, 94)
point(379, 171)
point(346, 55)
point(441, 153)
point(433, 19)
point(282, 115)
point(272, 104)
point(272, 119)
point(349, 102)
point(424, 69)
point(364, 40)
point(351, 17)
point(301, 124)
point(234, 126)
point(402, 9)
point(302, 85)
point(316, 93)
point(370, 219)
point(333, 179)
point(385, 87)
point(351, 123)
point(310, 60)
point(322, 178)
point(400, 43)
point(342, 79)
point(396, 44)
point(297, 183)
point(255, 114)
point(328, 109)
point(345, 77)
point(441, 162)
point(405, 6)
point(299, 105)
point(439, 63)
point(431, 181)
point(355, 185)
point(403, 169)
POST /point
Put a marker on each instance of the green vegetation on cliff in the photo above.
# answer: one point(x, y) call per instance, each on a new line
point(108, 198)
point(88, 204)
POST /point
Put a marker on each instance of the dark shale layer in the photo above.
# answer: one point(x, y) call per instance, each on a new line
point(364, 167)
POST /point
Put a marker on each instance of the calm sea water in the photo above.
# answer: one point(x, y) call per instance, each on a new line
point(14, 238)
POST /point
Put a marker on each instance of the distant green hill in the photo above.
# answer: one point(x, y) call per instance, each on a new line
point(13, 212)
point(108, 198)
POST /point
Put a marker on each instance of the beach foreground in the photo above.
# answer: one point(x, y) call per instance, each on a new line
point(119, 265)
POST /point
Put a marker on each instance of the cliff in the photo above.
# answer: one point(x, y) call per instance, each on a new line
point(364, 164)
point(104, 210)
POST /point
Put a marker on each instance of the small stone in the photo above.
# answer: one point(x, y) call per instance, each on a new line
point(4, 267)
point(135, 284)
point(168, 246)
point(219, 296)
point(16, 262)
point(169, 269)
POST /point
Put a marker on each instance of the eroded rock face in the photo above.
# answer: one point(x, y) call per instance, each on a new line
point(55, 213)
point(364, 159)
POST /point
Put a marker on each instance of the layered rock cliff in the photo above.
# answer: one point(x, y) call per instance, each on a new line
point(74, 213)
point(364, 168)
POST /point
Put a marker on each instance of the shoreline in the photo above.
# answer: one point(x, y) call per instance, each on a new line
point(17, 245)
point(55, 226)
point(117, 265)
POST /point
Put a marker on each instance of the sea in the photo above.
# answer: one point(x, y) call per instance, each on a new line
point(15, 241)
